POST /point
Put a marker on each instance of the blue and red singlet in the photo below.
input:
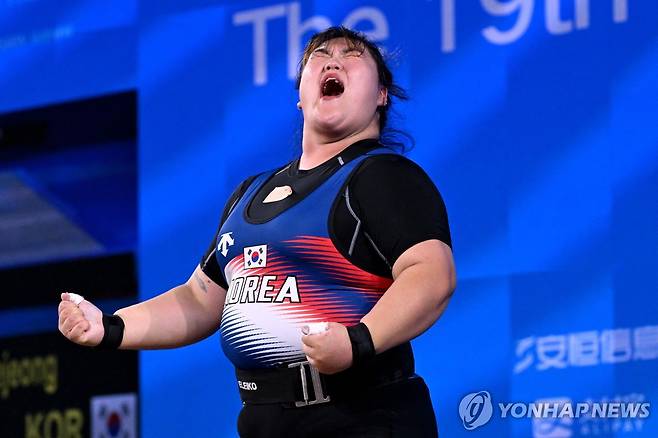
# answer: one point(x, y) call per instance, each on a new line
point(286, 272)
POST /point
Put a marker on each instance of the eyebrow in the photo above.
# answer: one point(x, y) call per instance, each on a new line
point(352, 49)
point(323, 49)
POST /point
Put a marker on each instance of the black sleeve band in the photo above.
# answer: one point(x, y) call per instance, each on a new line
point(114, 326)
point(362, 345)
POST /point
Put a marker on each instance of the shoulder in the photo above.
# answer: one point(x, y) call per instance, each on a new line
point(239, 190)
point(390, 171)
point(235, 196)
point(398, 203)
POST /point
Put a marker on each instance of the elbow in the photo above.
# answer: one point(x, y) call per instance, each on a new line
point(451, 281)
point(445, 281)
point(447, 284)
point(452, 284)
point(443, 293)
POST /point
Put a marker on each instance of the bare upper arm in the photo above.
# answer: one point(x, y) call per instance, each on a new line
point(207, 292)
point(432, 253)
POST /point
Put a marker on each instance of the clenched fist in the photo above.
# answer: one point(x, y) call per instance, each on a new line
point(82, 324)
point(329, 351)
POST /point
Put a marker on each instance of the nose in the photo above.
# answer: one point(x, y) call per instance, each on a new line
point(332, 65)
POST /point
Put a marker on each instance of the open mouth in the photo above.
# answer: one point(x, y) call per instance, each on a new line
point(332, 87)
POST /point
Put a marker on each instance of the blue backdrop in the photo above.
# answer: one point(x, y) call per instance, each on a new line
point(537, 119)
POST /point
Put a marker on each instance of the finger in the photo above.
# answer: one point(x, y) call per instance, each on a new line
point(308, 351)
point(73, 319)
point(69, 312)
point(68, 325)
point(84, 338)
point(77, 331)
point(65, 310)
point(73, 311)
point(334, 325)
point(65, 305)
point(76, 299)
point(312, 361)
point(312, 340)
point(65, 322)
point(62, 317)
point(76, 328)
point(313, 328)
point(62, 314)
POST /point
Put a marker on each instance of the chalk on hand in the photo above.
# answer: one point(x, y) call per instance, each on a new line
point(77, 299)
point(317, 327)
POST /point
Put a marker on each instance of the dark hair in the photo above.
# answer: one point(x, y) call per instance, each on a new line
point(388, 136)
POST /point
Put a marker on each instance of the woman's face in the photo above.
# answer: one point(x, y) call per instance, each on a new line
point(339, 89)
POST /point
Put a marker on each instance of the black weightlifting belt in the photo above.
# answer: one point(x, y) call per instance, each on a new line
point(298, 384)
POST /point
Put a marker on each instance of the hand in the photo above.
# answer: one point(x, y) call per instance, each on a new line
point(82, 324)
point(329, 351)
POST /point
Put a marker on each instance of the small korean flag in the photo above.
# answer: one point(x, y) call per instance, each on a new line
point(113, 416)
point(255, 256)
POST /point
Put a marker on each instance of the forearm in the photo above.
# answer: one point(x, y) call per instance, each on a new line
point(414, 301)
point(172, 319)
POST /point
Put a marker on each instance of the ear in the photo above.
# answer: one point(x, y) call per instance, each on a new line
point(382, 100)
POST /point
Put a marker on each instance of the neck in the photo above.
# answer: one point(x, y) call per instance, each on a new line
point(318, 148)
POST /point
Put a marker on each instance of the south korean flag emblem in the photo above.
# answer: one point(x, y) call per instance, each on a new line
point(255, 256)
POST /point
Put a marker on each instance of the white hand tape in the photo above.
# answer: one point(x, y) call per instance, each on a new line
point(77, 299)
point(317, 327)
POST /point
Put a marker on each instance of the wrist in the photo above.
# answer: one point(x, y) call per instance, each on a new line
point(363, 348)
point(114, 327)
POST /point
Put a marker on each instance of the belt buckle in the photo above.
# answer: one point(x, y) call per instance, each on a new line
point(317, 385)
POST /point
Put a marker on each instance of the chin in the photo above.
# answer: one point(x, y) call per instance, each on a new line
point(330, 121)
